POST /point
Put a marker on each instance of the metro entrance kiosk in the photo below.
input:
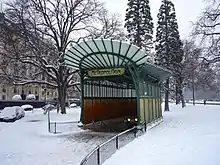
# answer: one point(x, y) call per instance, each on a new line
point(116, 81)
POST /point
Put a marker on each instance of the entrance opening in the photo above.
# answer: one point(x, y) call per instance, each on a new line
point(109, 99)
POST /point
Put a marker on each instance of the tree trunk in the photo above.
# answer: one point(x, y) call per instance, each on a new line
point(182, 99)
point(177, 94)
point(62, 98)
point(167, 95)
point(193, 91)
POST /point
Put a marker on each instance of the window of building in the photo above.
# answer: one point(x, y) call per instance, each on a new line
point(48, 93)
point(3, 89)
point(15, 90)
point(3, 97)
point(36, 89)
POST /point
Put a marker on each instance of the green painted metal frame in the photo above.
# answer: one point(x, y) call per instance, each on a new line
point(91, 61)
point(94, 62)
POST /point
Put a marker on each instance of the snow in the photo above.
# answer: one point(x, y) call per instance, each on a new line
point(31, 97)
point(73, 105)
point(8, 112)
point(187, 136)
point(16, 97)
point(207, 102)
point(27, 140)
point(27, 106)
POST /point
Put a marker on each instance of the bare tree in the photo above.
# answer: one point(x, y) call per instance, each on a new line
point(207, 28)
point(191, 65)
point(44, 29)
point(110, 26)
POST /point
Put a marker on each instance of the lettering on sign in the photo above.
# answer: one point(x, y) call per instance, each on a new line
point(106, 72)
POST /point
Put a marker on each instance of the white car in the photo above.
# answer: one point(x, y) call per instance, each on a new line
point(73, 105)
point(12, 113)
point(27, 107)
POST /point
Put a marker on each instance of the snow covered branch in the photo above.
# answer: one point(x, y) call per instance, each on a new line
point(24, 82)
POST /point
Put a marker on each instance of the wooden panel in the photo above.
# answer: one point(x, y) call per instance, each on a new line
point(142, 109)
point(146, 109)
point(153, 109)
point(103, 109)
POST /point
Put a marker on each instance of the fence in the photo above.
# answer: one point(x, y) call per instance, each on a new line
point(34, 103)
point(58, 127)
point(106, 149)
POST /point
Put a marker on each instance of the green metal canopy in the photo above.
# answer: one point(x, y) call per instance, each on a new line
point(105, 54)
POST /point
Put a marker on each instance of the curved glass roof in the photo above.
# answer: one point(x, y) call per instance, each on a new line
point(104, 54)
point(100, 53)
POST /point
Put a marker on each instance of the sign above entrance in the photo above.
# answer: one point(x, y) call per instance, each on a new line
point(106, 72)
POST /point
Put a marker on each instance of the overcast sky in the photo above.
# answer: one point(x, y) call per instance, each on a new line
point(186, 11)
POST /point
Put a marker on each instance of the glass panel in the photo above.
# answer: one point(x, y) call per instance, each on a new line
point(72, 55)
point(116, 46)
point(75, 51)
point(111, 60)
point(131, 51)
point(90, 90)
point(108, 45)
point(92, 45)
point(116, 60)
point(100, 45)
point(120, 61)
point(94, 60)
point(87, 63)
point(142, 61)
point(94, 91)
point(105, 56)
point(85, 90)
point(124, 48)
point(69, 64)
point(85, 47)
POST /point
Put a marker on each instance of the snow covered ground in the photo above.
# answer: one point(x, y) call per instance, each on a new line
point(207, 102)
point(27, 141)
point(187, 136)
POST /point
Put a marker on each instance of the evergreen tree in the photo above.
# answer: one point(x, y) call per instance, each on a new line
point(169, 52)
point(139, 23)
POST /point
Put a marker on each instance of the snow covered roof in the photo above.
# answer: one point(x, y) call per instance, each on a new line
point(104, 54)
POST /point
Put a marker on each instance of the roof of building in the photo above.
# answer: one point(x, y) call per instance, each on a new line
point(105, 54)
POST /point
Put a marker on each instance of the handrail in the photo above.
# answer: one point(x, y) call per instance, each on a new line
point(116, 137)
point(104, 143)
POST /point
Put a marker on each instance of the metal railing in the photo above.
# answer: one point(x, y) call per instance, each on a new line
point(104, 151)
point(59, 127)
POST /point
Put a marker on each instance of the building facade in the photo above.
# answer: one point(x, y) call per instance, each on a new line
point(40, 91)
